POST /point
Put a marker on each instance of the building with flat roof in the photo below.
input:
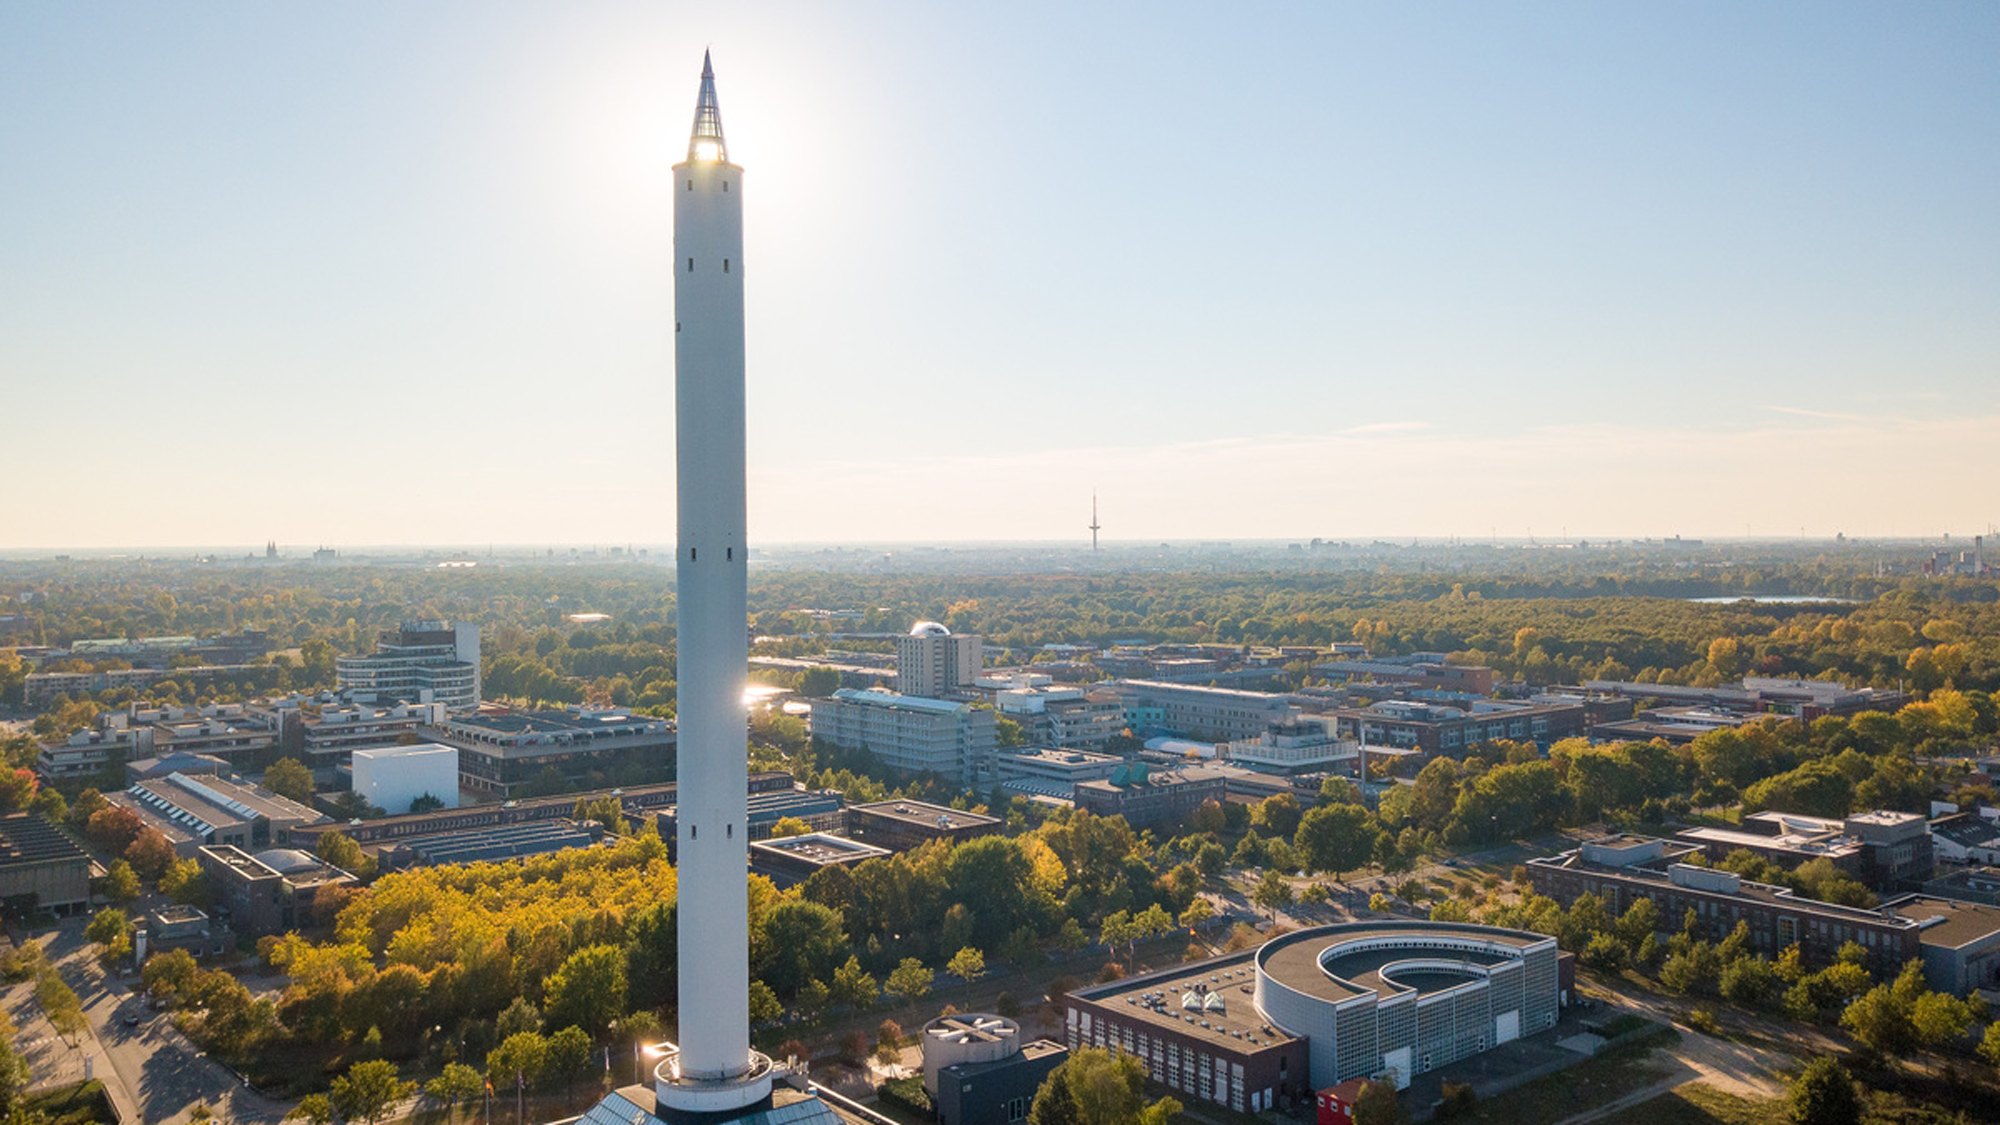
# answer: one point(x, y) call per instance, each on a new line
point(1148, 797)
point(902, 825)
point(1969, 884)
point(330, 737)
point(1622, 869)
point(978, 1071)
point(1067, 718)
point(1676, 726)
point(1799, 699)
point(194, 810)
point(499, 752)
point(1965, 838)
point(790, 860)
point(493, 845)
point(420, 662)
point(1053, 773)
point(1192, 711)
point(1297, 746)
point(271, 891)
point(394, 778)
point(822, 810)
point(1435, 728)
point(1430, 671)
point(933, 662)
point(1960, 942)
point(1316, 1007)
point(41, 868)
point(950, 739)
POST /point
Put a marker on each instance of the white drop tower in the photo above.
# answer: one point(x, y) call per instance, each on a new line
point(714, 1070)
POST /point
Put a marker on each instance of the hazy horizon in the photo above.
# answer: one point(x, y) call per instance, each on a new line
point(390, 274)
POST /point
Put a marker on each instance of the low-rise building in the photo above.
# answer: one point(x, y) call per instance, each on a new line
point(1148, 798)
point(501, 752)
point(1434, 728)
point(1960, 942)
point(1800, 699)
point(41, 868)
point(978, 1071)
point(180, 927)
point(1297, 746)
point(1209, 713)
point(1971, 884)
point(1053, 773)
point(271, 891)
point(491, 845)
point(327, 739)
point(196, 810)
point(1965, 838)
point(1620, 870)
point(790, 860)
point(1676, 726)
point(902, 825)
point(394, 778)
point(1068, 718)
point(1430, 671)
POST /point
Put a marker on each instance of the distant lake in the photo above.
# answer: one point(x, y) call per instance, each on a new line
point(1777, 599)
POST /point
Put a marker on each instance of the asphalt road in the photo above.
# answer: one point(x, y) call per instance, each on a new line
point(152, 1068)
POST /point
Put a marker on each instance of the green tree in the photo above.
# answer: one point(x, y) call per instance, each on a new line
point(854, 986)
point(764, 1005)
point(369, 1090)
point(799, 940)
point(1272, 893)
point(289, 777)
point(569, 1053)
point(968, 965)
point(1335, 838)
point(456, 1083)
point(313, 1109)
point(522, 1056)
point(910, 982)
point(121, 883)
point(1823, 1094)
point(1096, 1087)
point(589, 990)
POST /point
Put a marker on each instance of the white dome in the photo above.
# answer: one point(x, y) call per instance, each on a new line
point(286, 860)
point(929, 629)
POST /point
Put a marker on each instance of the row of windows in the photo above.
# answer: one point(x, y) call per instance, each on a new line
point(725, 269)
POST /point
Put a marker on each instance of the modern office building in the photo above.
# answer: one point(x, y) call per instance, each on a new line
point(1620, 870)
point(1053, 773)
point(932, 662)
point(1067, 718)
point(421, 662)
point(1885, 849)
point(916, 735)
point(1435, 728)
point(394, 778)
point(1296, 746)
point(327, 739)
point(500, 752)
point(1192, 711)
point(1313, 1008)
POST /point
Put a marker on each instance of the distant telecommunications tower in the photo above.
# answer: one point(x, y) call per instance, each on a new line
point(1093, 521)
point(715, 1071)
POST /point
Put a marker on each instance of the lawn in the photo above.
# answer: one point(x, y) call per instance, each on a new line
point(1696, 1104)
point(1571, 1091)
point(81, 1104)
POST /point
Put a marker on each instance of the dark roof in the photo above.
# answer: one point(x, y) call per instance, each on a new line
point(26, 838)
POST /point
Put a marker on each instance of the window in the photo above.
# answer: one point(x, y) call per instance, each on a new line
point(1017, 1109)
point(690, 185)
point(690, 265)
point(725, 265)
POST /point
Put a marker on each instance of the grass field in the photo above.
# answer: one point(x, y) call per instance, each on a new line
point(1696, 1104)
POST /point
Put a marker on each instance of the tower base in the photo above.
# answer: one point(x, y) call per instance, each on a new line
point(695, 1100)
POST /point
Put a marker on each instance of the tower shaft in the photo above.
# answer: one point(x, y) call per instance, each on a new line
point(713, 647)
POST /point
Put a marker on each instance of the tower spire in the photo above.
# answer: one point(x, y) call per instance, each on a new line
point(706, 141)
point(1094, 526)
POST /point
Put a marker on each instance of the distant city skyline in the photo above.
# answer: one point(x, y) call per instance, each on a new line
point(383, 275)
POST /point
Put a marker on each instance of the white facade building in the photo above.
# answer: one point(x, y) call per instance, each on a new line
point(391, 777)
point(1298, 746)
point(932, 662)
point(422, 662)
point(955, 741)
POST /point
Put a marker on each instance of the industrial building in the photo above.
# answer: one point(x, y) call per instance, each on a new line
point(978, 1071)
point(946, 738)
point(420, 662)
point(1256, 1030)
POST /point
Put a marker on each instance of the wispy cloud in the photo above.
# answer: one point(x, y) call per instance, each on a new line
point(1802, 412)
point(1386, 428)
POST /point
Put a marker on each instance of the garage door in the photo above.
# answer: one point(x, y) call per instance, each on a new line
point(1507, 1027)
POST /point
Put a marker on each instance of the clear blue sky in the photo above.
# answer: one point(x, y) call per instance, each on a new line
point(396, 272)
